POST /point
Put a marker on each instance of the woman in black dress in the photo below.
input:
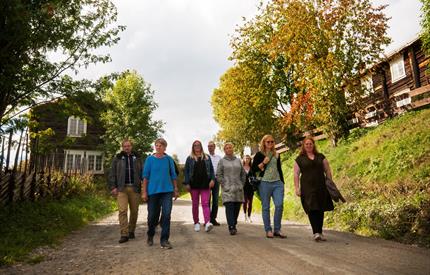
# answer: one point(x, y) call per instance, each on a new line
point(310, 170)
point(248, 190)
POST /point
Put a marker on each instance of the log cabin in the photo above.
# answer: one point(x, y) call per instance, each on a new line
point(400, 82)
point(69, 135)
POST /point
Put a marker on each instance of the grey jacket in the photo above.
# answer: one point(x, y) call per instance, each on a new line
point(231, 175)
point(117, 172)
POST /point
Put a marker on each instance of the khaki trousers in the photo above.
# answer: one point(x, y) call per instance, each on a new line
point(126, 198)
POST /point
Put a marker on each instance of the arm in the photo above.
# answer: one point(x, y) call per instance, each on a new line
point(279, 166)
point(212, 174)
point(242, 174)
point(220, 173)
point(145, 175)
point(173, 176)
point(327, 169)
point(187, 171)
point(258, 159)
point(296, 179)
point(112, 180)
point(145, 189)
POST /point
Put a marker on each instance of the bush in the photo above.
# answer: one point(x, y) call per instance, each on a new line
point(27, 225)
point(384, 173)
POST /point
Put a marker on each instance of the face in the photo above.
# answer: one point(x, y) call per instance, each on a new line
point(211, 148)
point(160, 148)
point(126, 147)
point(228, 150)
point(197, 146)
point(309, 146)
point(269, 143)
point(247, 160)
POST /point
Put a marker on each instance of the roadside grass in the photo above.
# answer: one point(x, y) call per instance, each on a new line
point(384, 173)
point(28, 225)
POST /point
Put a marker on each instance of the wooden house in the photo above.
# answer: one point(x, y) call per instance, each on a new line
point(399, 83)
point(69, 134)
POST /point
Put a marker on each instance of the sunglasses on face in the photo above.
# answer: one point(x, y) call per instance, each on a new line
point(270, 141)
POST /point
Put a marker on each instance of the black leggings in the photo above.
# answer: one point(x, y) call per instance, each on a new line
point(232, 210)
point(316, 217)
point(247, 204)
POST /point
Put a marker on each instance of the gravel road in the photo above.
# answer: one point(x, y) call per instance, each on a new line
point(95, 250)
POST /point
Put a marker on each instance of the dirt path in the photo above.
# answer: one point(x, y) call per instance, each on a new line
point(95, 250)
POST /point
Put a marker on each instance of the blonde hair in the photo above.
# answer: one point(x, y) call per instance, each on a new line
point(228, 143)
point(193, 153)
point(262, 145)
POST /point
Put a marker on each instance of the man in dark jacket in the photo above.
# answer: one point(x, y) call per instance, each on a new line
point(124, 183)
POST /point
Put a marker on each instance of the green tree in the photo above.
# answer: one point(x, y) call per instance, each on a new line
point(130, 105)
point(304, 55)
point(425, 24)
point(330, 43)
point(43, 40)
point(242, 108)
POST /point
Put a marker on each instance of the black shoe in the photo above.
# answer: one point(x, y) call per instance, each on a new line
point(233, 231)
point(166, 245)
point(131, 235)
point(215, 223)
point(150, 241)
point(123, 239)
point(279, 234)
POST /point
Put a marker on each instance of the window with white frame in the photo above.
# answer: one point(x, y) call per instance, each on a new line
point(76, 127)
point(397, 68)
point(87, 161)
point(73, 161)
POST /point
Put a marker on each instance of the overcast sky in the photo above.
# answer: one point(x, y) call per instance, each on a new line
point(181, 47)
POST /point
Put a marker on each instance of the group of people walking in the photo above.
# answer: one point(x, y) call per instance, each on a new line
point(205, 173)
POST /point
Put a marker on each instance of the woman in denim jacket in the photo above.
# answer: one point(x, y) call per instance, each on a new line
point(199, 179)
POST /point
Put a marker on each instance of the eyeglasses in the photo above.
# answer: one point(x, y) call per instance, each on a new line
point(197, 145)
point(270, 141)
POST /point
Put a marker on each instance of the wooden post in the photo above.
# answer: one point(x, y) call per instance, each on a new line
point(415, 68)
point(3, 139)
point(8, 152)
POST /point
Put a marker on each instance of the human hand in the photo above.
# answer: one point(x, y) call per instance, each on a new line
point(298, 193)
point(114, 192)
point(176, 194)
point(211, 184)
point(144, 196)
point(188, 187)
point(266, 160)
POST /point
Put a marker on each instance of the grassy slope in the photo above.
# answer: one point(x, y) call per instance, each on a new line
point(27, 225)
point(384, 173)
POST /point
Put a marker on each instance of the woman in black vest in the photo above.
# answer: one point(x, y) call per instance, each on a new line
point(310, 170)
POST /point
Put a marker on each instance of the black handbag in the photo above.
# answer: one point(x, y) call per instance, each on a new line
point(255, 182)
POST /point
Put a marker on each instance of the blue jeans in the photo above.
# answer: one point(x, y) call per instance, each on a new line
point(157, 202)
point(215, 199)
point(273, 190)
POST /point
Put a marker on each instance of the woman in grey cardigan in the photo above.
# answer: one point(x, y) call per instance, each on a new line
point(231, 176)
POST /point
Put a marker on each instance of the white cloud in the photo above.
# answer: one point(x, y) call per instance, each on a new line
point(181, 47)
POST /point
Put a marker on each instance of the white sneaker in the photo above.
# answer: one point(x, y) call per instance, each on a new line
point(208, 227)
point(249, 219)
point(322, 238)
point(197, 227)
point(246, 218)
point(317, 237)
